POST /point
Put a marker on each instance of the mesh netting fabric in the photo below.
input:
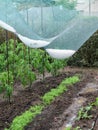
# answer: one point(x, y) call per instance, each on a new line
point(59, 26)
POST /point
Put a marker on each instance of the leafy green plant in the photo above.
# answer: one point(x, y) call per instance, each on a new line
point(42, 62)
point(2, 64)
point(21, 69)
point(21, 121)
point(25, 74)
point(6, 83)
point(71, 80)
point(95, 103)
point(56, 65)
point(70, 128)
point(50, 96)
point(84, 112)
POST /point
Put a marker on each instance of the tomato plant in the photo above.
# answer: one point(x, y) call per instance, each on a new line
point(6, 84)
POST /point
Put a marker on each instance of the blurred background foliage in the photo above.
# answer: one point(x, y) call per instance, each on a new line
point(87, 55)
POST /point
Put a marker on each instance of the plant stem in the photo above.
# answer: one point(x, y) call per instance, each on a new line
point(13, 56)
point(7, 54)
point(94, 123)
point(7, 57)
point(43, 64)
point(29, 60)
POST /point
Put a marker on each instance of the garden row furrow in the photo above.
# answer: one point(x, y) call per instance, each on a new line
point(21, 121)
point(51, 118)
point(26, 98)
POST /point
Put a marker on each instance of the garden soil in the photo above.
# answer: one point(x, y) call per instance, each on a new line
point(54, 116)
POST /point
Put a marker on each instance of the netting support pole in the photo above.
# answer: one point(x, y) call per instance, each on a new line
point(43, 63)
point(89, 7)
point(30, 84)
point(14, 47)
point(29, 57)
point(41, 16)
point(7, 53)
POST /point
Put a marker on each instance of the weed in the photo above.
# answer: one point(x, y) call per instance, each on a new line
point(84, 112)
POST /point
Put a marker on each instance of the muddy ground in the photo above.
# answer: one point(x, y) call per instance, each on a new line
point(57, 115)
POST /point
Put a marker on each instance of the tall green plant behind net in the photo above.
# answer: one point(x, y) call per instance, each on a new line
point(58, 26)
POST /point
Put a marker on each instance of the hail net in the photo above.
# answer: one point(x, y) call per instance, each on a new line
point(58, 26)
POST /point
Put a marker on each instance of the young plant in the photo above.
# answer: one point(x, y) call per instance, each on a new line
point(70, 80)
point(95, 103)
point(25, 74)
point(21, 121)
point(50, 96)
point(56, 65)
point(40, 61)
point(70, 128)
point(6, 84)
point(84, 113)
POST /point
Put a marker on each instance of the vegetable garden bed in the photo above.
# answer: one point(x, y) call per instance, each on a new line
point(52, 116)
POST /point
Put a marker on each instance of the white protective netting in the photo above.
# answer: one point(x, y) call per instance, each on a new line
point(59, 26)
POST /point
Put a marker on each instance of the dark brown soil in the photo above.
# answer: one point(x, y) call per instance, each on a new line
point(50, 119)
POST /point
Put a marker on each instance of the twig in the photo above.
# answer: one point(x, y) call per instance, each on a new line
point(94, 122)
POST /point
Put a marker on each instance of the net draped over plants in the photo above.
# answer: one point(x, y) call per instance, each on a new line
point(58, 26)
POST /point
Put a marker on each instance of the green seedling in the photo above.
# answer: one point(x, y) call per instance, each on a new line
point(21, 121)
point(84, 113)
point(6, 84)
point(95, 103)
point(70, 128)
point(50, 96)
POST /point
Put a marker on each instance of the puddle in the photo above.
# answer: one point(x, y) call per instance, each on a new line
point(72, 112)
point(90, 88)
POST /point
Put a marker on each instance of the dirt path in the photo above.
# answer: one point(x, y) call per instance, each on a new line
point(77, 103)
